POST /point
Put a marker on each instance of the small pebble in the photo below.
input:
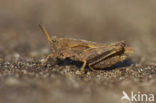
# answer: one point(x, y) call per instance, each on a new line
point(78, 72)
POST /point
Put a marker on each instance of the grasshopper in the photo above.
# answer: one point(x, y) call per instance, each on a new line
point(91, 54)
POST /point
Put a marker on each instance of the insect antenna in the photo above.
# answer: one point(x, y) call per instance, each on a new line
point(43, 29)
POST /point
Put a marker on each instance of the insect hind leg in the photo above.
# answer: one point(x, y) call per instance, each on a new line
point(91, 68)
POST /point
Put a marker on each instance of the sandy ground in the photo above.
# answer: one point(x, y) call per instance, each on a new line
point(23, 47)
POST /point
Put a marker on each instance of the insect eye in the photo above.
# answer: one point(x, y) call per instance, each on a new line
point(54, 41)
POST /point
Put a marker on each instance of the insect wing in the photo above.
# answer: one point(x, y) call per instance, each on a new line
point(99, 54)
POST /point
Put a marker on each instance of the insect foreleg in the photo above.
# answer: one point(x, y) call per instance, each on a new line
point(46, 59)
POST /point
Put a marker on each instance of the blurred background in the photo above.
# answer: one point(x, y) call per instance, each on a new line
point(101, 21)
point(133, 21)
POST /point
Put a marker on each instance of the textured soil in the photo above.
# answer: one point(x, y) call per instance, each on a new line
point(22, 48)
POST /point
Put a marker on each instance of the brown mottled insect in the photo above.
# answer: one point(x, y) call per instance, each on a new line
point(94, 55)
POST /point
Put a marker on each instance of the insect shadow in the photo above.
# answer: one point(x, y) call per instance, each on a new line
point(68, 61)
point(78, 64)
